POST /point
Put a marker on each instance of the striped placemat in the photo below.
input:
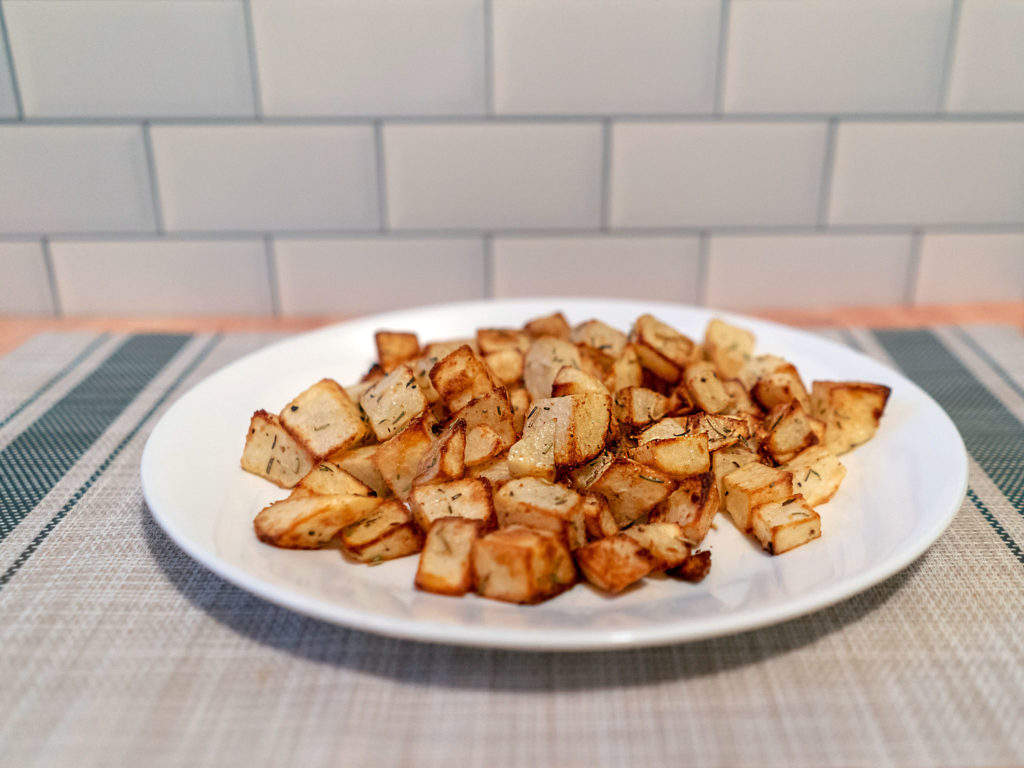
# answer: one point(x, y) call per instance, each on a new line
point(116, 649)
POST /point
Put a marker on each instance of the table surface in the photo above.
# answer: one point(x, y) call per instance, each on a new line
point(120, 650)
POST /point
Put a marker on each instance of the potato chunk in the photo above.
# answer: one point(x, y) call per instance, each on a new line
point(727, 460)
point(754, 484)
point(446, 565)
point(460, 377)
point(395, 348)
point(310, 522)
point(706, 388)
point(677, 457)
point(728, 346)
point(272, 453)
point(398, 459)
point(327, 478)
point(555, 326)
point(600, 336)
point(631, 489)
point(324, 419)
point(692, 506)
point(386, 533)
point(580, 432)
point(446, 459)
point(662, 349)
point(817, 474)
point(598, 518)
point(491, 340)
point(506, 365)
point(782, 525)
point(614, 563)
point(664, 540)
point(358, 462)
point(572, 381)
point(626, 370)
point(639, 406)
point(790, 430)
point(393, 402)
point(545, 358)
point(851, 411)
point(522, 565)
point(494, 412)
point(469, 498)
point(544, 506)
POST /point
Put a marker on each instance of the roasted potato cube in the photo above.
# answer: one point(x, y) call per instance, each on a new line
point(742, 402)
point(782, 525)
point(534, 454)
point(505, 364)
point(324, 419)
point(272, 453)
point(421, 368)
point(692, 506)
point(491, 340)
point(495, 470)
point(754, 484)
point(520, 401)
point(728, 346)
point(706, 388)
point(374, 374)
point(310, 522)
point(600, 336)
point(328, 478)
point(626, 371)
point(572, 381)
point(677, 457)
point(760, 366)
point(722, 431)
point(446, 565)
point(580, 433)
point(727, 460)
point(395, 348)
point(817, 474)
point(639, 406)
point(851, 411)
point(446, 459)
point(522, 565)
point(662, 349)
point(491, 410)
point(483, 444)
point(393, 402)
point(385, 534)
point(780, 388)
point(790, 430)
point(598, 518)
point(664, 541)
point(469, 498)
point(358, 462)
point(667, 429)
point(554, 325)
point(544, 506)
point(586, 475)
point(544, 360)
point(398, 459)
point(460, 377)
point(614, 563)
point(631, 489)
point(696, 567)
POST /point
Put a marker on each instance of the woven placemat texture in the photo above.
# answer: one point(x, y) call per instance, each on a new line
point(117, 649)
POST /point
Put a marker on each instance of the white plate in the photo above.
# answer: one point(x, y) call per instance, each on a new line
point(901, 491)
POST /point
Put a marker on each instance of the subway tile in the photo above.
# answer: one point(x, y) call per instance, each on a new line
point(970, 267)
point(988, 67)
point(8, 103)
point(376, 57)
point(928, 173)
point(266, 177)
point(711, 174)
point(25, 287)
point(604, 56)
point(162, 277)
point(655, 268)
point(73, 178)
point(96, 58)
point(807, 271)
point(481, 175)
point(846, 56)
point(359, 276)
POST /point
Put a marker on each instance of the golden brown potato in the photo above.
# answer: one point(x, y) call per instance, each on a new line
point(393, 402)
point(327, 478)
point(545, 358)
point(677, 457)
point(554, 325)
point(692, 506)
point(522, 565)
point(446, 565)
point(600, 336)
point(310, 522)
point(817, 474)
point(358, 462)
point(662, 349)
point(386, 533)
point(639, 406)
point(754, 484)
point(544, 506)
point(446, 458)
point(324, 419)
point(470, 498)
point(631, 489)
point(789, 430)
point(706, 389)
point(664, 541)
point(398, 459)
point(728, 346)
point(614, 563)
point(272, 453)
point(851, 410)
point(783, 525)
point(598, 518)
point(395, 348)
point(460, 377)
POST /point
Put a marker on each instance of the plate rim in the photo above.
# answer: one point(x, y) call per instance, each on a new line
point(534, 639)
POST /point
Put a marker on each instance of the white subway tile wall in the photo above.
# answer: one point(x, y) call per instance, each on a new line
point(228, 156)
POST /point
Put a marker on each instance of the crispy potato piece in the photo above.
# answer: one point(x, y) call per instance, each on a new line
point(667, 429)
point(722, 431)
point(491, 410)
point(572, 381)
point(692, 506)
point(395, 348)
point(469, 498)
point(446, 565)
point(600, 336)
point(789, 430)
point(534, 454)
point(760, 366)
point(598, 518)
point(586, 475)
point(706, 388)
point(398, 459)
point(374, 374)
point(851, 410)
point(522, 565)
point(460, 377)
point(386, 533)
point(272, 453)
point(483, 444)
point(393, 402)
point(665, 542)
point(742, 402)
point(626, 371)
point(554, 325)
point(520, 401)
point(505, 364)
point(631, 489)
point(324, 419)
point(677, 457)
point(544, 506)
point(544, 360)
point(783, 525)
point(780, 388)
point(696, 567)
point(728, 346)
point(728, 459)
point(817, 474)
point(328, 478)
point(446, 458)
point(639, 406)
point(310, 522)
point(358, 462)
point(491, 340)
point(495, 470)
point(754, 484)
point(614, 563)
point(594, 362)
point(662, 349)
point(580, 433)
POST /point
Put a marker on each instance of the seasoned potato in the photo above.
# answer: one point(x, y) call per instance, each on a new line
point(545, 358)
point(580, 432)
point(393, 402)
point(662, 349)
point(446, 458)
point(677, 457)
point(544, 506)
point(554, 325)
point(310, 522)
point(851, 410)
point(614, 563)
point(398, 459)
point(358, 462)
point(598, 518)
point(324, 419)
point(782, 525)
point(271, 452)
point(728, 346)
point(817, 474)
point(728, 459)
point(665, 542)
point(496, 471)
point(631, 489)
point(446, 565)
point(395, 348)
point(639, 406)
point(493, 411)
point(491, 340)
point(790, 430)
point(600, 336)
point(522, 565)
point(692, 506)
point(572, 381)
point(459, 377)
point(327, 478)
point(696, 567)
point(385, 534)
point(754, 484)
point(779, 388)
point(506, 365)
point(706, 389)
point(626, 370)
point(469, 498)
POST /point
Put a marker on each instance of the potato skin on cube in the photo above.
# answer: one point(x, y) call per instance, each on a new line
point(446, 564)
point(324, 419)
point(386, 533)
point(784, 525)
point(310, 522)
point(614, 563)
point(272, 453)
point(522, 565)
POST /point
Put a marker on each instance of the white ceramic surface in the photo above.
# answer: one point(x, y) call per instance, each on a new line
point(902, 490)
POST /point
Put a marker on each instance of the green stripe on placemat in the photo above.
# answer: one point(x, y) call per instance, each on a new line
point(35, 461)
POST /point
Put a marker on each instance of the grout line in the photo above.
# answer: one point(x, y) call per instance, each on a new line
point(51, 276)
point(382, 185)
point(827, 172)
point(488, 58)
point(606, 174)
point(254, 69)
point(488, 249)
point(913, 267)
point(9, 52)
point(703, 262)
point(154, 186)
point(947, 62)
point(723, 50)
point(272, 280)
